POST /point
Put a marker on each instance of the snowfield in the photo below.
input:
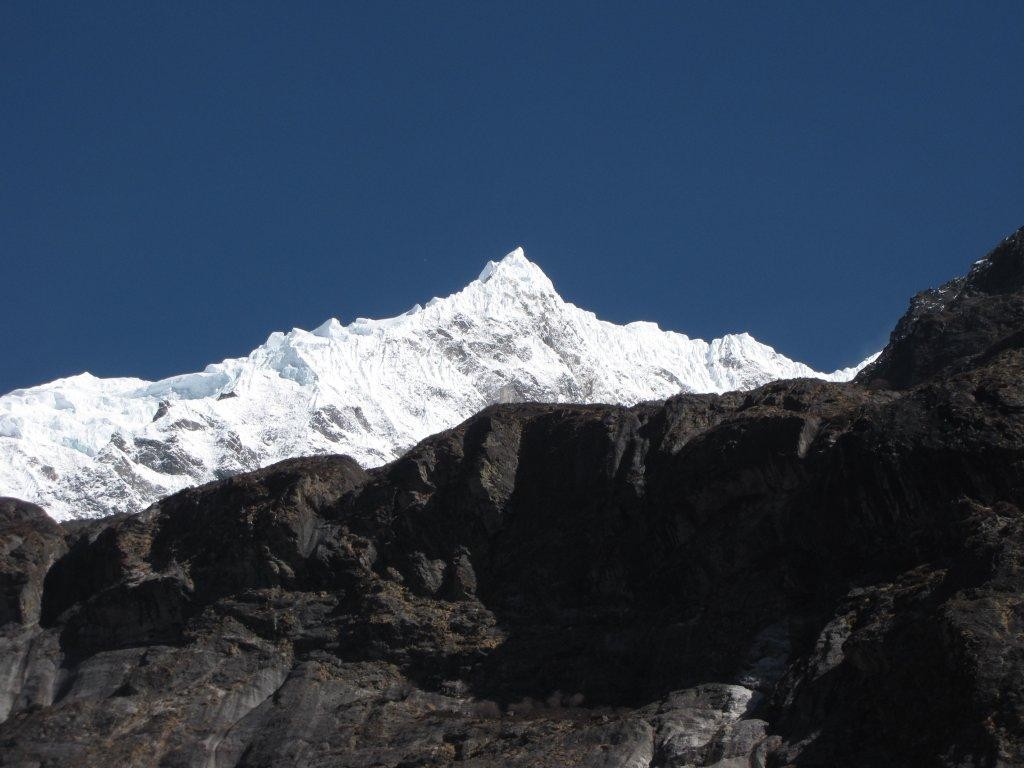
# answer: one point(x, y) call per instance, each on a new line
point(85, 446)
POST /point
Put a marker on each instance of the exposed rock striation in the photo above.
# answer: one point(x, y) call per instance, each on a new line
point(811, 573)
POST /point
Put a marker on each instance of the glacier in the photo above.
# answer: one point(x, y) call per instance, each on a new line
point(85, 446)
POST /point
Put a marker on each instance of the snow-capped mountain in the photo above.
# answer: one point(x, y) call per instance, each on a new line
point(85, 446)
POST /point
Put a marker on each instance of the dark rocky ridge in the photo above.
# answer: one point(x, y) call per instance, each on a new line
point(958, 326)
point(808, 574)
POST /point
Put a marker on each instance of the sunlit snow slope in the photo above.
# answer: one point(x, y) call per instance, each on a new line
point(84, 446)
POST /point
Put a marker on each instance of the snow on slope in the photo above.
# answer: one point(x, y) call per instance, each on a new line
point(84, 446)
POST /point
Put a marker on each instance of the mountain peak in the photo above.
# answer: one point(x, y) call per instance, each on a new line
point(369, 389)
point(517, 270)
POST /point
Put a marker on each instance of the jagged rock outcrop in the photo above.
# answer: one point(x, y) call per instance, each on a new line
point(958, 326)
point(811, 574)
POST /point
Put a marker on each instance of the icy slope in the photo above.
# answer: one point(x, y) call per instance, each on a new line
point(84, 446)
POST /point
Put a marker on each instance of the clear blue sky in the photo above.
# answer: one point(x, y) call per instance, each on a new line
point(179, 179)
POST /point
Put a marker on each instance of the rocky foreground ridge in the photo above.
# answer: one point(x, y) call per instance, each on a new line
point(811, 574)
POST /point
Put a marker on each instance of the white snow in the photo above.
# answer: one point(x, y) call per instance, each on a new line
point(85, 446)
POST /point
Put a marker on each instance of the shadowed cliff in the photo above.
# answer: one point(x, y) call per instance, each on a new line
point(805, 574)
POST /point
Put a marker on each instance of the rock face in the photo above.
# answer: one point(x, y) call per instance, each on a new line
point(87, 447)
point(958, 326)
point(811, 574)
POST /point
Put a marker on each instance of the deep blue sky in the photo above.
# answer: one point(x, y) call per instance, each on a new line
point(179, 179)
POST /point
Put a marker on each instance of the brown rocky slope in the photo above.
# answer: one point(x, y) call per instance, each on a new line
point(808, 574)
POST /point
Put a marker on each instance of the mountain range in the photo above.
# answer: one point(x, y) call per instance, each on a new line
point(809, 574)
point(85, 446)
